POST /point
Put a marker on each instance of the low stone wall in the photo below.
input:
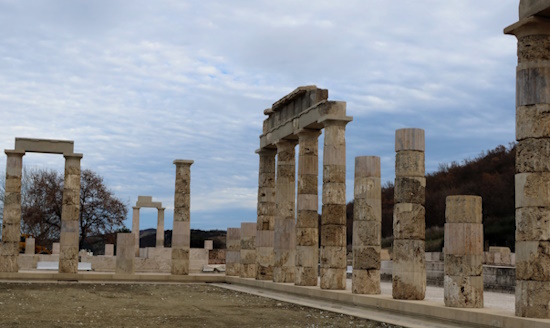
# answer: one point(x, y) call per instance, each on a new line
point(152, 260)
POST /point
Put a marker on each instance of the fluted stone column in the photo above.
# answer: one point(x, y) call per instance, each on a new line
point(70, 216)
point(181, 232)
point(307, 224)
point(265, 257)
point(285, 225)
point(135, 228)
point(333, 218)
point(367, 226)
point(160, 228)
point(233, 252)
point(248, 250)
point(125, 253)
point(11, 225)
point(463, 283)
point(409, 223)
point(532, 163)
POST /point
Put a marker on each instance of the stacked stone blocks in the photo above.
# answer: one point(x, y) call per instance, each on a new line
point(285, 226)
point(125, 253)
point(409, 263)
point(248, 250)
point(11, 224)
point(463, 282)
point(307, 231)
point(182, 218)
point(333, 217)
point(532, 160)
point(367, 225)
point(266, 215)
point(233, 253)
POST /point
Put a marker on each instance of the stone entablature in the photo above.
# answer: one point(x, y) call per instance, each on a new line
point(282, 125)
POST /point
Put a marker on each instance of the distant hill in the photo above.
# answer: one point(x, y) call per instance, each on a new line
point(489, 175)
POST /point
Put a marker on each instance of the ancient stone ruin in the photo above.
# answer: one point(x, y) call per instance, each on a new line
point(147, 201)
point(11, 225)
point(297, 119)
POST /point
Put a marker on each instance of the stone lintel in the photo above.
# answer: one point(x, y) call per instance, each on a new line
point(529, 26)
point(297, 93)
point(147, 201)
point(183, 162)
point(534, 7)
point(311, 118)
point(48, 146)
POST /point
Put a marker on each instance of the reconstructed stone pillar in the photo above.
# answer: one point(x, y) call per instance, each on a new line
point(265, 257)
point(532, 161)
point(160, 228)
point(248, 250)
point(333, 218)
point(307, 224)
point(30, 244)
point(135, 228)
point(70, 216)
point(181, 232)
point(409, 224)
point(11, 224)
point(125, 253)
point(233, 253)
point(109, 250)
point(285, 226)
point(463, 282)
point(367, 226)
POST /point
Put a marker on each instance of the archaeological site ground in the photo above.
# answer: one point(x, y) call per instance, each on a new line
point(286, 269)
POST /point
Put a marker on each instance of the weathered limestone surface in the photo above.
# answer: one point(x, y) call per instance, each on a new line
point(285, 230)
point(160, 228)
point(182, 218)
point(233, 253)
point(367, 218)
point(409, 267)
point(248, 250)
point(109, 250)
point(307, 231)
point(265, 257)
point(125, 253)
point(533, 150)
point(70, 215)
point(11, 224)
point(463, 283)
point(29, 246)
point(333, 219)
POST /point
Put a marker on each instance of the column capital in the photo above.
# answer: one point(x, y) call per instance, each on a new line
point(74, 155)
point(308, 133)
point(328, 120)
point(183, 162)
point(285, 143)
point(11, 152)
point(136, 207)
point(161, 209)
point(533, 25)
point(266, 151)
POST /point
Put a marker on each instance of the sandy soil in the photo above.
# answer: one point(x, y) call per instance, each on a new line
point(154, 305)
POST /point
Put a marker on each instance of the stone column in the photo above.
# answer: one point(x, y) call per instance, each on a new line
point(30, 244)
point(125, 253)
point(70, 216)
point(532, 165)
point(233, 253)
point(265, 257)
point(307, 224)
point(463, 283)
point(135, 228)
point(367, 226)
point(285, 224)
point(248, 250)
point(181, 232)
point(333, 218)
point(160, 228)
point(11, 225)
point(409, 224)
point(109, 250)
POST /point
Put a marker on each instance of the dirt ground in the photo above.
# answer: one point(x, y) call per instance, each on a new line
point(154, 305)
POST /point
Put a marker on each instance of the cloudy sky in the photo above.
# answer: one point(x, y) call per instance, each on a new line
point(137, 84)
